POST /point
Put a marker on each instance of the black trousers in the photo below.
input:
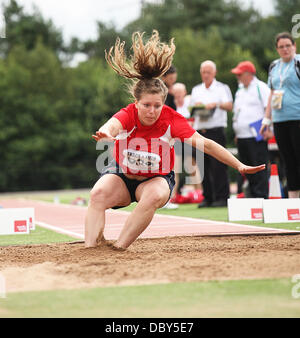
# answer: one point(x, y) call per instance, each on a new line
point(254, 153)
point(287, 136)
point(215, 177)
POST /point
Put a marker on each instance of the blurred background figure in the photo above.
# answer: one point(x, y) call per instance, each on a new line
point(216, 96)
point(185, 163)
point(284, 108)
point(169, 79)
point(249, 108)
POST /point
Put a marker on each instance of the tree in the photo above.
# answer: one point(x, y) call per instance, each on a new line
point(237, 25)
point(34, 85)
point(284, 11)
point(47, 117)
point(170, 14)
point(107, 35)
point(192, 48)
point(27, 29)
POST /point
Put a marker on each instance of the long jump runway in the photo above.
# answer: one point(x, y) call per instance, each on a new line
point(69, 219)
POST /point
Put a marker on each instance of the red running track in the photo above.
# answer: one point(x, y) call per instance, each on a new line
point(69, 219)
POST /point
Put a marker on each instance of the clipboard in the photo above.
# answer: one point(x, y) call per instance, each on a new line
point(255, 128)
point(203, 113)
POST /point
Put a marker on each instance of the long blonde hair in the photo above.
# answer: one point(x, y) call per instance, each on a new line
point(148, 63)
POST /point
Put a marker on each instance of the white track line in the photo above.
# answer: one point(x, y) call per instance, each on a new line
point(227, 223)
point(197, 220)
point(60, 230)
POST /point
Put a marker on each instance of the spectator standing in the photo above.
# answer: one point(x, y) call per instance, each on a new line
point(250, 102)
point(216, 96)
point(184, 161)
point(169, 78)
point(284, 109)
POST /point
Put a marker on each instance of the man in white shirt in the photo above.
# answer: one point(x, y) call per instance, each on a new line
point(250, 102)
point(216, 96)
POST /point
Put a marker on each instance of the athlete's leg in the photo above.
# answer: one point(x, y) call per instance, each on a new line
point(109, 191)
point(151, 195)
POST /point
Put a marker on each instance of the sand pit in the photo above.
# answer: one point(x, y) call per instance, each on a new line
point(149, 261)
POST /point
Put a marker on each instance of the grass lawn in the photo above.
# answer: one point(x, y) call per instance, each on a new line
point(38, 236)
point(64, 196)
point(243, 298)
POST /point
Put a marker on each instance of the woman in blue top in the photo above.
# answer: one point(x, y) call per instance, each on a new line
point(284, 108)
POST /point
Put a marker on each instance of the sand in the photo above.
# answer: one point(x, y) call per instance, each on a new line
point(149, 261)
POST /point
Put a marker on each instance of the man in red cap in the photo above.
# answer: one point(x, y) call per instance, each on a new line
point(244, 66)
point(249, 108)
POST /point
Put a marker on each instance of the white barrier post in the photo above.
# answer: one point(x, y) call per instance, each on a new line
point(286, 210)
point(245, 209)
point(16, 221)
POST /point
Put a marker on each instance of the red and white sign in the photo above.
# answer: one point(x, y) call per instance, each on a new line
point(245, 209)
point(257, 213)
point(293, 214)
point(16, 221)
point(21, 226)
point(282, 210)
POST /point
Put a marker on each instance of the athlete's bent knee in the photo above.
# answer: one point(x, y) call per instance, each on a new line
point(98, 197)
point(158, 199)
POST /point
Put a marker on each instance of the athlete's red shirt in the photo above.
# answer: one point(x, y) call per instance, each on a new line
point(148, 150)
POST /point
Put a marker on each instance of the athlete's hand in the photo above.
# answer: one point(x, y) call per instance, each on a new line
point(100, 135)
point(245, 169)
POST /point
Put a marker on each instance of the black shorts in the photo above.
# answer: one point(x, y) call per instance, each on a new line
point(131, 184)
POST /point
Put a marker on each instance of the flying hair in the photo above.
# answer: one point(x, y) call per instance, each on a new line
point(149, 60)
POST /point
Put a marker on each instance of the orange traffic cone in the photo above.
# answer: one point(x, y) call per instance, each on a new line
point(274, 183)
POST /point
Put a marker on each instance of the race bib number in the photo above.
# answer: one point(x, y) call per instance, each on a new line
point(140, 160)
point(276, 102)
